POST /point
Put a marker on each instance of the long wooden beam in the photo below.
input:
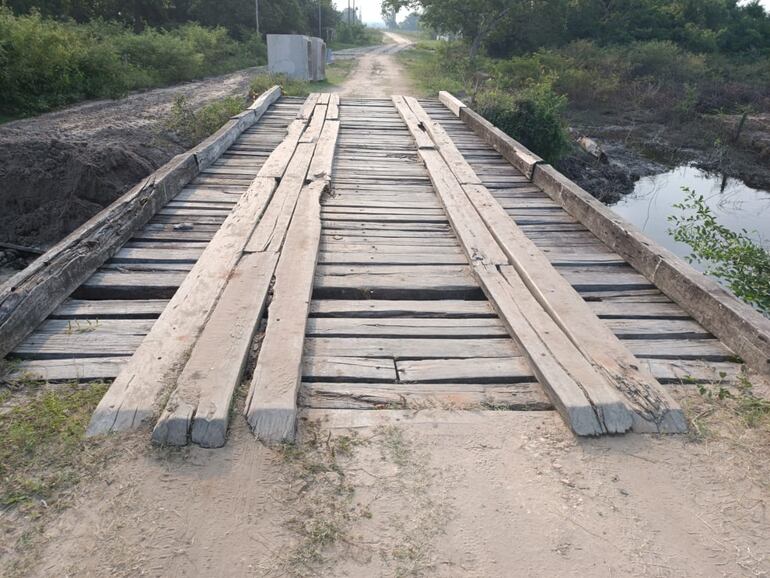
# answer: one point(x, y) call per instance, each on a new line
point(587, 402)
point(34, 293)
point(134, 395)
point(654, 408)
point(737, 325)
point(271, 406)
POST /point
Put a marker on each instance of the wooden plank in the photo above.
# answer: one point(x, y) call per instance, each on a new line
point(654, 409)
point(515, 397)
point(410, 348)
point(451, 102)
point(391, 309)
point(78, 309)
point(333, 111)
point(271, 408)
point(313, 131)
point(502, 370)
point(348, 369)
point(321, 165)
point(559, 367)
point(740, 327)
point(471, 231)
point(419, 134)
point(416, 327)
point(200, 404)
point(85, 369)
point(270, 232)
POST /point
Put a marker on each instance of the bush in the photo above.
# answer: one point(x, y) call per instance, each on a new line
point(45, 63)
point(733, 257)
point(532, 116)
point(289, 87)
point(192, 126)
point(355, 34)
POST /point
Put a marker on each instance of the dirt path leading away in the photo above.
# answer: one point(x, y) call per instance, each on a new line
point(61, 168)
point(377, 74)
point(435, 493)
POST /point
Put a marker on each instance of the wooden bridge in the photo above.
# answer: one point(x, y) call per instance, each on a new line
point(369, 254)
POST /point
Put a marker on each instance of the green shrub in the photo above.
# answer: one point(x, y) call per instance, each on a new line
point(193, 126)
point(46, 63)
point(289, 87)
point(733, 257)
point(532, 116)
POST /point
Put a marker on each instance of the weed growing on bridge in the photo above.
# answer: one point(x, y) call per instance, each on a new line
point(192, 126)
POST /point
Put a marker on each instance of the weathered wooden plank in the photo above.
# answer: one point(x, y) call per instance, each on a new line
point(213, 147)
point(417, 327)
point(348, 369)
point(271, 408)
point(515, 397)
point(452, 103)
point(654, 409)
point(200, 404)
point(31, 295)
point(78, 309)
point(391, 309)
point(270, 232)
point(389, 258)
point(321, 165)
point(738, 325)
point(410, 348)
point(502, 370)
point(585, 401)
point(84, 369)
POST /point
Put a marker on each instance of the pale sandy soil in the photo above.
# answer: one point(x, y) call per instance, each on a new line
point(431, 493)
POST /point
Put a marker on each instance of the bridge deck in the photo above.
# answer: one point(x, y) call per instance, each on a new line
point(397, 318)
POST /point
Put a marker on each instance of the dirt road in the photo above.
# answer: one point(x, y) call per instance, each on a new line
point(420, 493)
point(377, 74)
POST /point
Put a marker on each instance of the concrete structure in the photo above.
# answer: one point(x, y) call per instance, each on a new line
point(318, 59)
point(297, 56)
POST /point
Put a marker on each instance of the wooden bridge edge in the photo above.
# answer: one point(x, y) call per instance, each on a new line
point(34, 293)
point(741, 328)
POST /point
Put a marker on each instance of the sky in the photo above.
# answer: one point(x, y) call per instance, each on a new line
point(370, 9)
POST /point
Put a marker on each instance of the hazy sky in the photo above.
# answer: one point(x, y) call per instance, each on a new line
point(371, 8)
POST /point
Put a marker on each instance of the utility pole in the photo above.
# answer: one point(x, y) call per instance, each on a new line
point(348, 12)
point(320, 34)
point(256, 4)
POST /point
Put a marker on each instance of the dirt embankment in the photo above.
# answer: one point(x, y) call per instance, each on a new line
point(61, 168)
point(638, 144)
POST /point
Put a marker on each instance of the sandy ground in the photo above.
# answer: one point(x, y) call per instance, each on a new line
point(378, 74)
point(428, 493)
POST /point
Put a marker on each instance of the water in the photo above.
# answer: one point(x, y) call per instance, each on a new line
point(734, 204)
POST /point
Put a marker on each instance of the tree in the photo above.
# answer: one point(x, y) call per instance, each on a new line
point(389, 17)
point(475, 20)
point(411, 22)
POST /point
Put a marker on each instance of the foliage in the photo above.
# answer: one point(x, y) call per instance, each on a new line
point(510, 27)
point(734, 257)
point(192, 126)
point(42, 442)
point(46, 63)
point(355, 34)
point(289, 87)
point(532, 116)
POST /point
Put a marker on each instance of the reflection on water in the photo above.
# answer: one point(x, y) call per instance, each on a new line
point(735, 205)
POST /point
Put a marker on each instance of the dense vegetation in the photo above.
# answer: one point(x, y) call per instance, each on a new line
point(54, 52)
point(678, 58)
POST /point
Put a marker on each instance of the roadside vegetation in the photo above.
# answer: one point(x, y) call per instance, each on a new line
point(53, 54)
